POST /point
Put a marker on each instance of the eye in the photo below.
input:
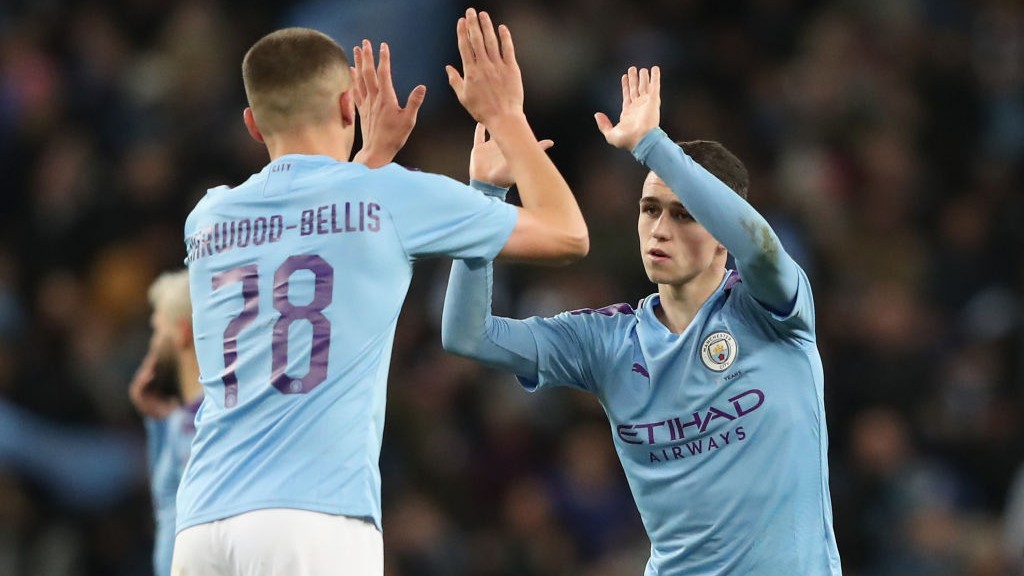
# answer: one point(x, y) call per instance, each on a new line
point(682, 216)
point(650, 210)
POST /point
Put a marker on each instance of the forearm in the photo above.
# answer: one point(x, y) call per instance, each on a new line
point(468, 329)
point(768, 270)
point(543, 190)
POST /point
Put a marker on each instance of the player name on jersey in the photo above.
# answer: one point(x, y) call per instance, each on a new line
point(219, 237)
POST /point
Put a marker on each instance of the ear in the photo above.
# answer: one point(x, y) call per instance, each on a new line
point(250, 125)
point(348, 108)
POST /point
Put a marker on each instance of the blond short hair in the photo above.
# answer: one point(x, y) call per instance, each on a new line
point(169, 295)
point(294, 77)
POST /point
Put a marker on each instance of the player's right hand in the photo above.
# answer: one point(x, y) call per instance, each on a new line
point(148, 401)
point(641, 108)
point(492, 85)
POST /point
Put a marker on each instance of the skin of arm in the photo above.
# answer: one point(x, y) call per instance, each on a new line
point(550, 228)
point(769, 272)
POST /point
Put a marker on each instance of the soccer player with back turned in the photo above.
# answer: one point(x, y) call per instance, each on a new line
point(298, 276)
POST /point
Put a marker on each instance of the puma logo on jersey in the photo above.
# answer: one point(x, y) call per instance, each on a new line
point(639, 369)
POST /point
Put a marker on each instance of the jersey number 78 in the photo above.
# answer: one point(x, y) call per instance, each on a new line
point(312, 312)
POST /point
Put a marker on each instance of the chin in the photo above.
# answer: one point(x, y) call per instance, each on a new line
point(657, 274)
point(658, 277)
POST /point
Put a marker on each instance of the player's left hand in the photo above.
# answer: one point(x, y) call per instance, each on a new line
point(641, 108)
point(385, 125)
point(488, 164)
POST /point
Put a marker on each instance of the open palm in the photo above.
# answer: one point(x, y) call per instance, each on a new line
point(488, 164)
point(641, 108)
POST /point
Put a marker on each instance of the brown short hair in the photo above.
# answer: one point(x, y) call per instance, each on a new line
point(292, 76)
point(717, 159)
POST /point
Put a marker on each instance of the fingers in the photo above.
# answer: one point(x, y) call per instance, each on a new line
point(546, 143)
point(479, 134)
point(637, 82)
point(357, 74)
point(603, 123)
point(474, 34)
point(490, 40)
point(415, 100)
point(367, 70)
point(465, 47)
point(384, 71)
point(454, 79)
point(355, 85)
point(508, 51)
point(634, 83)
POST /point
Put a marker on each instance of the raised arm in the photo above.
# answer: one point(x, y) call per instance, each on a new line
point(550, 227)
point(467, 326)
point(769, 273)
point(385, 125)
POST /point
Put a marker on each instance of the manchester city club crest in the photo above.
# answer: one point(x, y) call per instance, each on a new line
point(719, 351)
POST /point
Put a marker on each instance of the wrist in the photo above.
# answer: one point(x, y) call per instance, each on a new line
point(648, 140)
point(501, 124)
point(489, 188)
point(372, 158)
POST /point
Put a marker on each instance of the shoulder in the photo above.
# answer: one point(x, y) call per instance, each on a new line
point(607, 319)
point(414, 186)
point(610, 311)
point(205, 204)
point(399, 172)
point(798, 322)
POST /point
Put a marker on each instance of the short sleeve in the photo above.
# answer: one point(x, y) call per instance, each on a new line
point(437, 216)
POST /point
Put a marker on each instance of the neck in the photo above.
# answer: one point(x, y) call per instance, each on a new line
point(681, 302)
point(188, 376)
point(331, 140)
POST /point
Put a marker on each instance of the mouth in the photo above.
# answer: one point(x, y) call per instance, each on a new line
point(657, 255)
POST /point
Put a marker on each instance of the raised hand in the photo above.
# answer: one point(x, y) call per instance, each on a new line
point(147, 400)
point(641, 108)
point(488, 164)
point(493, 85)
point(385, 124)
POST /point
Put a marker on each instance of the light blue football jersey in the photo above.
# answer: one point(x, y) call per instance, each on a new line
point(167, 448)
point(720, 430)
point(297, 279)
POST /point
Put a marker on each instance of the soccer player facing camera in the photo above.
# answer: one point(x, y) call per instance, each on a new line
point(713, 385)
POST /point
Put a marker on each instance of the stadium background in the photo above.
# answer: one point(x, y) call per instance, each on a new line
point(885, 140)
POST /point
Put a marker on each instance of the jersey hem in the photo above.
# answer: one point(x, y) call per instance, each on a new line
point(310, 507)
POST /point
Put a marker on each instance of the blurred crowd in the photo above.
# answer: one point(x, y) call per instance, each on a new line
point(885, 141)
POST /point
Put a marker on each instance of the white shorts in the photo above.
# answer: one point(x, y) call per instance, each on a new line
point(280, 542)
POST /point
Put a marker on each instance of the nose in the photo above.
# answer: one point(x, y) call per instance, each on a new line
point(660, 230)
